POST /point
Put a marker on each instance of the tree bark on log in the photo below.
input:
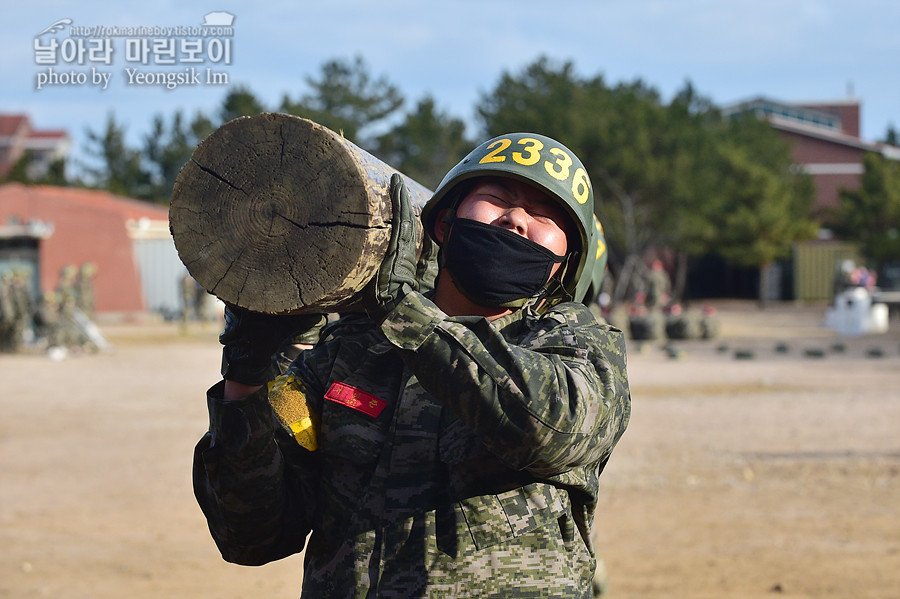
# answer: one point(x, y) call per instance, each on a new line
point(277, 214)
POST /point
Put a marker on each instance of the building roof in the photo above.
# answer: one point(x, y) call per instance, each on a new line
point(823, 133)
point(10, 124)
point(96, 199)
point(816, 116)
point(18, 137)
point(835, 122)
point(49, 134)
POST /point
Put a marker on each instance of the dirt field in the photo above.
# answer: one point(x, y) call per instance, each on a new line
point(737, 478)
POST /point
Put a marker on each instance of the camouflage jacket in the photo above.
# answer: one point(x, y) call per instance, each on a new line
point(473, 473)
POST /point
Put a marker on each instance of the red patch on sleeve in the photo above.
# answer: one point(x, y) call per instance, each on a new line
point(355, 398)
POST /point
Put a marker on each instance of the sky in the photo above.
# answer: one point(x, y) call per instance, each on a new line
point(456, 51)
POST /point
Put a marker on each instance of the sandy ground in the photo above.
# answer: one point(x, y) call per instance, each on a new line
point(737, 478)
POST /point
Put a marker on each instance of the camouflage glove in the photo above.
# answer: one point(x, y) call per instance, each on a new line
point(397, 274)
point(252, 338)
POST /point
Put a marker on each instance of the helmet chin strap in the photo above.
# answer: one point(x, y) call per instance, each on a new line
point(554, 287)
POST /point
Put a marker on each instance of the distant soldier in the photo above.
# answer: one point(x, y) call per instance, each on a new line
point(682, 324)
point(84, 288)
point(203, 303)
point(647, 324)
point(47, 321)
point(23, 309)
point(7, 311)
point(71, 335)
point(709, 322)
point(66, 285)
point(188, 299)
point(658, 287)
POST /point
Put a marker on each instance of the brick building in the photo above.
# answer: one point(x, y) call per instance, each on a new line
point(45, 146)
point(47, 228)
point(825, 142)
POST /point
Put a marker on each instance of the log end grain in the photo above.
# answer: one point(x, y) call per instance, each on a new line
point(278, 214)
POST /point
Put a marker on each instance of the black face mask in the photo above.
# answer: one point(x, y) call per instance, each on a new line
point(495, 267)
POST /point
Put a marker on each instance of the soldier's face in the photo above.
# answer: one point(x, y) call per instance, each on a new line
point(515, 206)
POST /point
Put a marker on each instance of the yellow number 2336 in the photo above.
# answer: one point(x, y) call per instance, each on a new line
point(558, 165)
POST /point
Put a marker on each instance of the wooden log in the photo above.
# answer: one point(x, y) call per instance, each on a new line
point(278, 214)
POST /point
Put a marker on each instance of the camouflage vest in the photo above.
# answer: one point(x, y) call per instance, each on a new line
point(411, 502)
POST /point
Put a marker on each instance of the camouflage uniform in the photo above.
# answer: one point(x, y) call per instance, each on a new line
point(23, 309)
point(48, 321)
point(647, 324)
point(84, 288)
point(657, 286)
point(684, 324)
point(8, 311)
point(471, 470)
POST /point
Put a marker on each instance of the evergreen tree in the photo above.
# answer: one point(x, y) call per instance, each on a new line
point(870, 214)
point(23, 172)
point(239, 101)
point(663, 176)
point(426, 145)
point(762, 206)
point(55, 175)
point(346, 99)
point(167, 149)
point(119, 169)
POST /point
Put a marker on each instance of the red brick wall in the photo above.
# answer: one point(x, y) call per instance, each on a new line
point(89, 226)
point(809, 150)
point(848, 112)
point(828, 189)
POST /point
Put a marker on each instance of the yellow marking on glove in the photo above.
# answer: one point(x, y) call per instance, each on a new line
point(287, 396)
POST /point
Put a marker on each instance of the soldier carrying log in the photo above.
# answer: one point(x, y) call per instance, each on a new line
point(434, 442)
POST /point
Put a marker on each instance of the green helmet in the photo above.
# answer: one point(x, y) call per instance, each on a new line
point(599, 265)
point(541, 162)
